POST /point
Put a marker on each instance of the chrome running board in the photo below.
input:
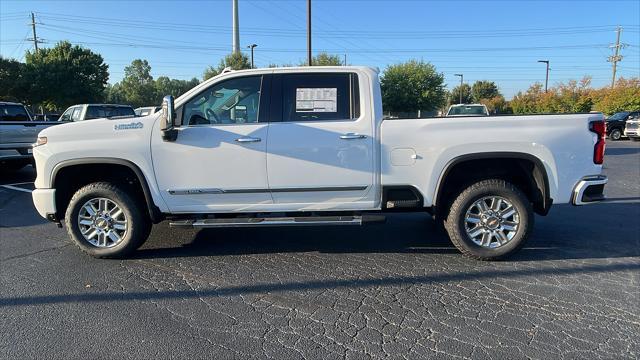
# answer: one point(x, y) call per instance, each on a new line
point(279, 221)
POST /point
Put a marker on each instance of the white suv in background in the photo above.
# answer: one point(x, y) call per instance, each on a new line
point(96, 111)
point(147, 110)
point(632, 128)
point(467, 110)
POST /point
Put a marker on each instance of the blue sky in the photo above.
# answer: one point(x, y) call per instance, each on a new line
point(484, 40)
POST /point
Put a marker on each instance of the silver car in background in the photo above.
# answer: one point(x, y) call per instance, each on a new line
point(18, 132)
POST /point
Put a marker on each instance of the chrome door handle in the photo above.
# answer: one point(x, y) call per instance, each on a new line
point(248, 139)
point(351, 136)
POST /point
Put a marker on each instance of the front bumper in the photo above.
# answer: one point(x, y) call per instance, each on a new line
point(45, 202)
point(632, 133)
point(589, 189)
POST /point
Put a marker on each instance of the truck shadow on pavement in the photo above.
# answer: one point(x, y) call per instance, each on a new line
point(312, 285)
point(598, 231)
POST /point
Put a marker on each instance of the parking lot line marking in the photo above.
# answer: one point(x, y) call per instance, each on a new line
point(16, 188)
point(22, 183)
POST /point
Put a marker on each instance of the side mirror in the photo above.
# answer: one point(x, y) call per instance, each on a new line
point(167, 120)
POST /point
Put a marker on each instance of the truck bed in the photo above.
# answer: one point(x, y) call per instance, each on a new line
point(417, 151)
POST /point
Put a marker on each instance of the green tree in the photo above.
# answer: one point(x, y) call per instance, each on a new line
point(572, 97)
point(465, 89)
point(324, 59)
point(138, 86)
point(166, 86)
point(113, 94)
point(411, 86)
point(14, 81)
point(235, 61)
point(65, 75)
point(625, 96)
point(527, 102)
point(484, 90)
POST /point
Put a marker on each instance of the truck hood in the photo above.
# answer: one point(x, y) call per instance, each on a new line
point(98, 128)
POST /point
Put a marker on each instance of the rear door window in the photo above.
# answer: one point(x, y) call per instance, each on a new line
point(76, 113)
point(320, 97)
point(13, 113)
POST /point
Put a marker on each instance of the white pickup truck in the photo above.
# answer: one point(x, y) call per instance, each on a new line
point(308, 146)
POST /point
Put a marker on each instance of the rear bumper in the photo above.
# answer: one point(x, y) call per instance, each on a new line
point(589, 189)
point(45, 202)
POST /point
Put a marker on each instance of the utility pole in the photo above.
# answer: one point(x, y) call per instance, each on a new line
point(251, 47)
point(546, 81)
point(309, 59)
point(617, 57)
point(235, 47)
point(461, 80)
point(345, 59)
point(35, 39)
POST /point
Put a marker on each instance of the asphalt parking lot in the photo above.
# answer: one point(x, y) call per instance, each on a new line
point(396, 290)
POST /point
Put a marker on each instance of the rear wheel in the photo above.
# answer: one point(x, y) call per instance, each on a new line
point(105, 222)
point(615, 134)
point(490, 220)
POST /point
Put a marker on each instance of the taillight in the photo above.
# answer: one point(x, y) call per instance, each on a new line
point(600, 129)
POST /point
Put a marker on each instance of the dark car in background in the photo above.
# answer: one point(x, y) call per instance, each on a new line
point(46, 117)
point(96, 111)
point(617, 122)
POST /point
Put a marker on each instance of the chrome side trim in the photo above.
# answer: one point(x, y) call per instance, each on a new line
point(253, 191)
point(583, 184)
point(194, 191)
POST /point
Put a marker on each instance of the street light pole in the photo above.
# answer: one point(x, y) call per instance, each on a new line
point(461, 81)
point(251, 47)
point(546, 81)
point(309, 60)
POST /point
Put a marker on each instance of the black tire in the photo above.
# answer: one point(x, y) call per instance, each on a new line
point(14, 166)
point(138, 222)
point(615, 134)
point(455, 223)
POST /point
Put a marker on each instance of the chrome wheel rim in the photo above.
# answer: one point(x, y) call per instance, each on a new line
point(491, 221)
point(616, 135)
point(102, 222)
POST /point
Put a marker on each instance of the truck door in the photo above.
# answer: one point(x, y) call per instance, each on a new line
point(218, 161)
point(320, 150)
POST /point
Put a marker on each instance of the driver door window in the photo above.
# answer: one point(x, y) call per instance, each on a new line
point(235, 101)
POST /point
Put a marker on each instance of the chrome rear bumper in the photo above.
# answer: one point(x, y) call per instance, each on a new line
point(589, 190)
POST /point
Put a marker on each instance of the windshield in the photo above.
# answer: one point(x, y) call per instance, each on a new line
point(619, 116)
point(13, 113)
point(467, 110)
point(95, 112)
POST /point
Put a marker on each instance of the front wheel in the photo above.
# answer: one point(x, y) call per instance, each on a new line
point(490, 220)
point(105, 221)
point(615, 134)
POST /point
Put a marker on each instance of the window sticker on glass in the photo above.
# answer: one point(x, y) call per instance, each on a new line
point(316, 100)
